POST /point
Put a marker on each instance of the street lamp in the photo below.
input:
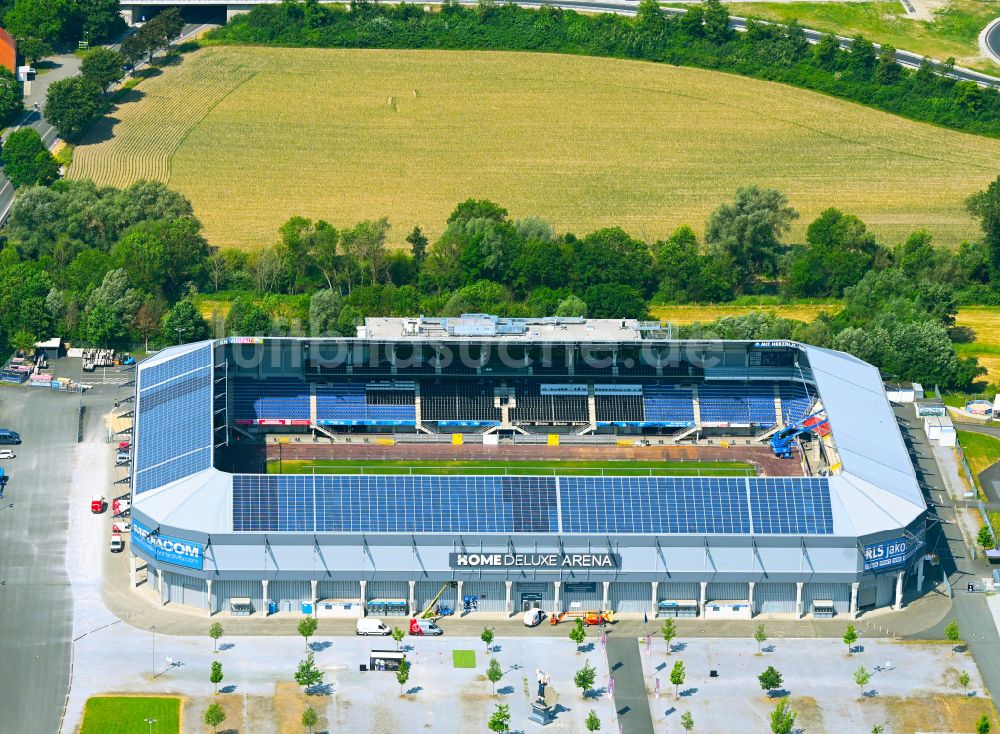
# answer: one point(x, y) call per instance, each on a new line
point(180, 330)
point(150, 722)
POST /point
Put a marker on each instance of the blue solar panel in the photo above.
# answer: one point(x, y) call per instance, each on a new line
point(395, 504)
point(173, 435)
point(791, 505)
point(499, 504)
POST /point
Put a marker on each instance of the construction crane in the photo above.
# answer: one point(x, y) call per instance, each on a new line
point(428, 613)
point(783, 441)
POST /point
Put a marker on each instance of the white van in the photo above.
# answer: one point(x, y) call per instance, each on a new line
point(371, 626)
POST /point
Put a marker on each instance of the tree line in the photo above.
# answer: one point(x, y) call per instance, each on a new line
point(700, 37)
point(110, 267)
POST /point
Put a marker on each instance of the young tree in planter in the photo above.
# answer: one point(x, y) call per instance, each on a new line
point(309, 718)
point(308, 675)
point(307, 627)
point(215, 632)
point(783, 718)
point(585, 677)
point(677, 675)
point(500, 720)
point(862, 678)
point(770, 680)
point(487, 637)
point(578, 634)
point(760, 635)
point(983, 725)
point(494, 673)
point(214, 715)
point(985, 538)
point(403, 674)
point(669, 632)
point(216, 674)
point(952, 633)
point(687, 721)
point(963, 680)
point(593, 723)
point(397, 636)
point(850, 637)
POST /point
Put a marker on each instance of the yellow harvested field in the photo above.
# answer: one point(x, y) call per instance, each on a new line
point(683, 315)
point(985, 322)
point(256, 135)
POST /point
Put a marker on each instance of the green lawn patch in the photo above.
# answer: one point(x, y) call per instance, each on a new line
point(463, 658)
point(565, 468)
point(128, 714)
point(981, 451)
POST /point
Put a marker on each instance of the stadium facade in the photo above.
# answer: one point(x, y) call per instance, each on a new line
point(218, 532)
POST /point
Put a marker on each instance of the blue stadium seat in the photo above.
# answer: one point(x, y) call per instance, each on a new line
point(668, 403)
point(351, 401)
point(750, 403)
point(270, 399)
point(796, 400)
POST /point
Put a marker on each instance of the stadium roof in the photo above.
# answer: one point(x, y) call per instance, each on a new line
point(877, 489)
point(480, 326)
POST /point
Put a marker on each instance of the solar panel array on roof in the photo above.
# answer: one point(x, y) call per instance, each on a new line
point(502, 504)
point(173, 420)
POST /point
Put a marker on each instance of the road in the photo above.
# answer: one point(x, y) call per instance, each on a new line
point(989, 40)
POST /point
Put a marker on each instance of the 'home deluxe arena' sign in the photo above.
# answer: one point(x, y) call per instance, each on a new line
point(554, 561)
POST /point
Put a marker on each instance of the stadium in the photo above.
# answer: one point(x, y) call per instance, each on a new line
point(491, 465)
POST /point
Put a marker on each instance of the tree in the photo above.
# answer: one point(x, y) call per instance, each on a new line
point(963, 680)
point(850, 637)
point(365, 243)
point(760, 635)
point(403, 674)
point(184, 324)
point(307, 627)
point(677, 675)
point(50, 21)
point(669, 632)
point(71, 105)
point(887, 71)
point(477, 209)
point(23, 340)
point(102, 19)
point(215, 632)
point(750, 229)
point(494, 673)
point(610, 256)
point(878, 729)
point(11, 97)
point(687, 721)
point(500, 719)
point(103, 66)
point(593, 723)
point(487, 637)
point(614, 301)
point(783, 718)
point(216, 675)
point(309, 718)
point(397, 636)
point(985, 206)
point(132, 49)
point(571, 306)
point(578, 634)
point(246, 318)
point(952, 633)
point(770, 680)
point(26, 160)
point(983, 725)
point(585, 677)
point(308, 675)
point(985, 537)
point(418, 246)
point(33, 49)
point(862, 678)
point(324, 308)
point(148, 318)
point(214, 715)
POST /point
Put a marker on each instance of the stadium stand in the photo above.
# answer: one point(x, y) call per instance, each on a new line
point(351, 401)
point(796, 400)
point(273, 399)
point(619, 408)
point(742, 404)
point(533, 407)
point(669, 404)
point(458, 401)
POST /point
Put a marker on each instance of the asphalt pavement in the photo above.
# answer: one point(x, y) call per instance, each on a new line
point(990, 40)
point(631, 699)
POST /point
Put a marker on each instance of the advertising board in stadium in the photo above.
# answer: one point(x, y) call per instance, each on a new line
point(168, 549)
point(243, 340)
point(535, 560)
point(612, 389)
point(564, 389)
point(887, 554)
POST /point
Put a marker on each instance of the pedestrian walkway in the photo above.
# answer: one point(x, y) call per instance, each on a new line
point(631, 699)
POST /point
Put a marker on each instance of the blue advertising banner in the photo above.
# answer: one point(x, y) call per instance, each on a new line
point(165, 548)
point(887, 554)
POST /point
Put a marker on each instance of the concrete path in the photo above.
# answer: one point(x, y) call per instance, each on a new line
point(631, 701)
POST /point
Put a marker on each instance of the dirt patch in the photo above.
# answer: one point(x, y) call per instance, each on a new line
point(289, 703)
point(810, 716)
point(936, 712)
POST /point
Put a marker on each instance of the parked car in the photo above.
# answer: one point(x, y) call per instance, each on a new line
point(424, 627)
point(9, 437)
point(533, 617)
point(371, 626)
point(120, 507)
point(122, 458)
point(117, 543)
point(97, 504)
point(6, 454)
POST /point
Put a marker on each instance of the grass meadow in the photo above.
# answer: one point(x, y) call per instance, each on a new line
point(128, 714)
point(256, 135)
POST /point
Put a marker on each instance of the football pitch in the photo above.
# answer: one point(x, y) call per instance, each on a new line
point(519, 468)
point(256, 135)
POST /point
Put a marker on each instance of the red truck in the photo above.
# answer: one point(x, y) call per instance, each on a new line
point(97, 504)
